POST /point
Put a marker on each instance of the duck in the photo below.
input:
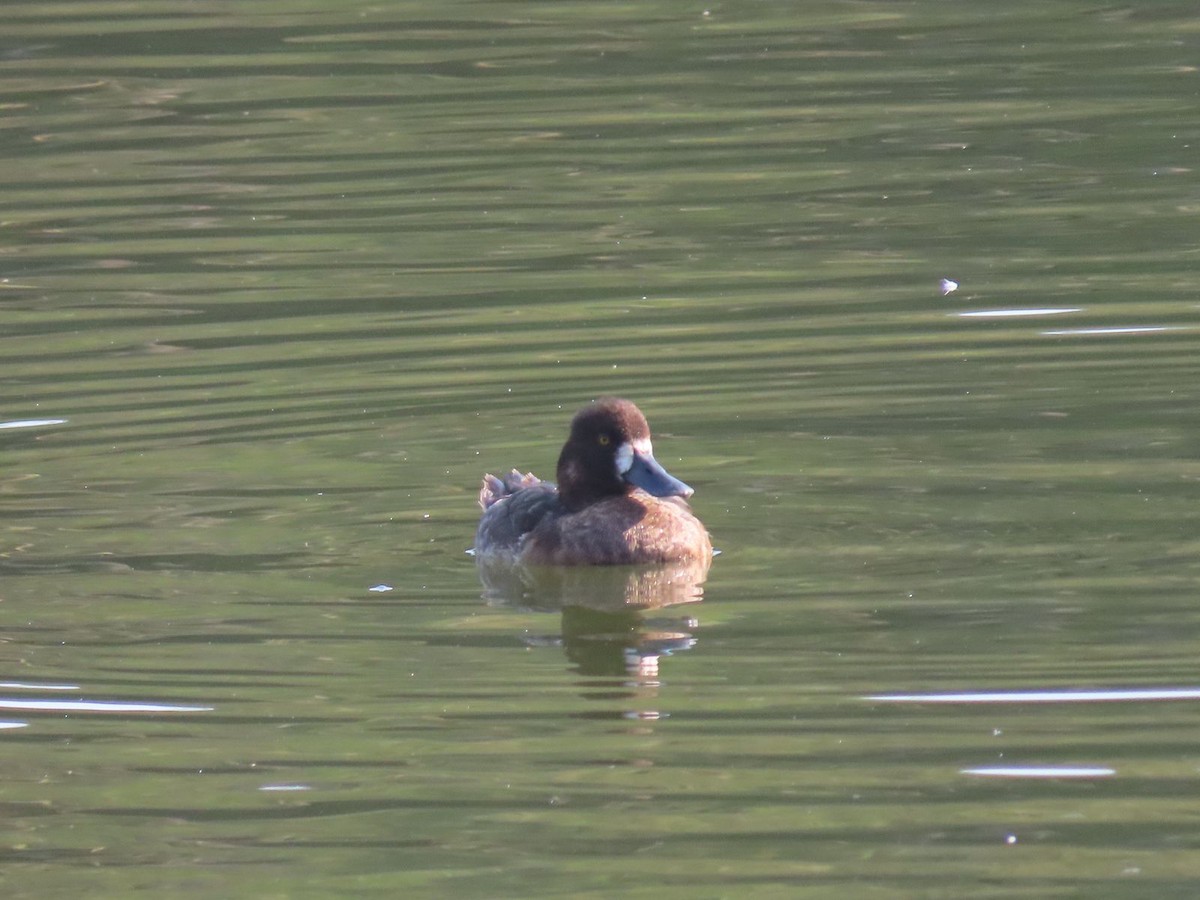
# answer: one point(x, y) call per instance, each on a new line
point(613, 504)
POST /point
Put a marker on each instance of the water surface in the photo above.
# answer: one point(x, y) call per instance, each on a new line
point(278, 282)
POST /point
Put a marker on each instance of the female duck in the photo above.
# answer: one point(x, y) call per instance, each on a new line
point(614, 504)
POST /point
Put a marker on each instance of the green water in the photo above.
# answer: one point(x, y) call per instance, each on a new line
point(295, 275)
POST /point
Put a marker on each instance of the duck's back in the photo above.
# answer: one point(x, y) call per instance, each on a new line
point(512, 508)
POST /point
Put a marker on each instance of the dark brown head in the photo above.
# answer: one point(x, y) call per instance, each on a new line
point(608, 453)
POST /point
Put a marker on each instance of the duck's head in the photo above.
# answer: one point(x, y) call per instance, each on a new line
point(608, 453)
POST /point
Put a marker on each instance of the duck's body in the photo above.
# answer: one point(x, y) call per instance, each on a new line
point(613, 505)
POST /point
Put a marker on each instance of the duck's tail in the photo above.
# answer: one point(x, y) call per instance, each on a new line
point(494, 489)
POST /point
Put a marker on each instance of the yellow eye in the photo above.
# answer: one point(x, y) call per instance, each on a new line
point(605, 440)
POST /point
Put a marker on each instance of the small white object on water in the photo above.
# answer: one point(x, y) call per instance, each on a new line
point(948, 286)
point(379, 588)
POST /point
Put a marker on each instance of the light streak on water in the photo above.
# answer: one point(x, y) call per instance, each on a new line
point(97, 706)
point(1017, 313)
point(1070, 696)
point(1116, 329)
point(1040, 771)
point(31, 423)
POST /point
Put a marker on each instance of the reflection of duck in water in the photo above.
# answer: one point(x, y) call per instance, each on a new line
point(614, 504)
point(622, 643)
point(603, 629)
